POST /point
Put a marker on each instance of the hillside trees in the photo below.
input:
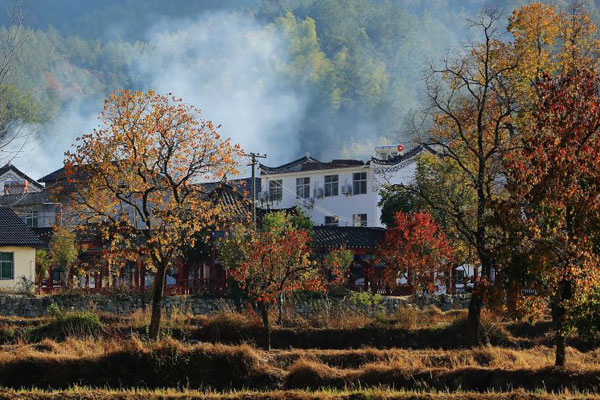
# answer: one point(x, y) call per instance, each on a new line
point(16, 106)
point(142, 173)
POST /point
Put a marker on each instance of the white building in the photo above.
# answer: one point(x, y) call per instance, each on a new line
point(338, 192)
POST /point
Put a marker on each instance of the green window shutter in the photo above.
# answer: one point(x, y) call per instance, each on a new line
point(6, 265)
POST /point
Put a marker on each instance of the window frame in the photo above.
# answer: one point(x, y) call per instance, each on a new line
point(303, 187)
point(358, 221)
point(276, 187)
point(32, 218)
point(334, 220)
point(11, 263)
point(359, 185)
point(460, 277)
point(333, 185)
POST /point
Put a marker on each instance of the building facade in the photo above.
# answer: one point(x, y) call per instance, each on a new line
point(17, 250)
point(338, 192)
point(29, 199)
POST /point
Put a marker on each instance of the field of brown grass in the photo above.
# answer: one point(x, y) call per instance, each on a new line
point(103, 394)
point(410, 355)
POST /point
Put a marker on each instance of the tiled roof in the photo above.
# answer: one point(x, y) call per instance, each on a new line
point(9, 167)
point(326, 237)
point(14, 232)
point(52, 177)
point(45, 234)
point(308, 163)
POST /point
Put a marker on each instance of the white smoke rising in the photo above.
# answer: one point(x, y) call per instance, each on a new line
point(39, 149)
point(223, 63)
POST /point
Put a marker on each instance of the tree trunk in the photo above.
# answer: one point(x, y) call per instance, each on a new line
point(265, 317)
point(280, 310)
point(561, 344)
point(474, 319)
point(157, 299)
point(558, 320)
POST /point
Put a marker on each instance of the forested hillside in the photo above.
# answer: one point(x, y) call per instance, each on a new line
point(329, 77)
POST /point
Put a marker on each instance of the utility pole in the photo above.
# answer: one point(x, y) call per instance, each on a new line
point(253, 157)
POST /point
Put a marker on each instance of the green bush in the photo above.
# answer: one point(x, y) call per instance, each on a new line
point(64, 324)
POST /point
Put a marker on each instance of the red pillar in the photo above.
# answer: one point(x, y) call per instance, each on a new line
point(87, 279)
point(211, 269)
point(179, 274)
point(121, 276)
point(143, 277)
point(202, 267)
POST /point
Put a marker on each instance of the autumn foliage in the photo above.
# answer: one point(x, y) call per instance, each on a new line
point(141, 173)
point(275, 262)
point(416, 247)
point(555, 179)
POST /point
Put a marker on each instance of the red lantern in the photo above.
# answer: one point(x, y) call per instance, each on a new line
point(400, 148)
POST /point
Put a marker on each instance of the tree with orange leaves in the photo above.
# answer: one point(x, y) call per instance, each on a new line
point(415, 246)
point(480, 104)
point(275, 261)
point(142, 172)
point(555, 181)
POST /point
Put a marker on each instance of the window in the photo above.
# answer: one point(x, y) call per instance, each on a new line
point(331, 185)
point(332, 221)
point(360, 219)
point(303, 188)
point(275, 190)
point(359, 181)
point(32, 219)
point(6, 265)
point(460, 276)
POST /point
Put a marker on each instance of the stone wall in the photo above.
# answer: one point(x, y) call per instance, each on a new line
point(27, 306)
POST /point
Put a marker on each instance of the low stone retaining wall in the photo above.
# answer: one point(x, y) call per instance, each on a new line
point(27, 306)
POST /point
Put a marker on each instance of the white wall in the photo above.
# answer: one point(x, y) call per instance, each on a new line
point(24, 265)
point(341, 205)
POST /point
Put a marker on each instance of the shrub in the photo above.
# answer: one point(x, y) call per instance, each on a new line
point(491, 331)
point(407, 317)
point(367, 302)
point(63, 324)
point(25, 286)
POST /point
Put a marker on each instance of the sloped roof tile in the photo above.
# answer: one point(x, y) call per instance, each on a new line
point(327, 237)
point(14, 232)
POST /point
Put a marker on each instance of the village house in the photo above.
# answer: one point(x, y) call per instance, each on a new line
point(17, 250)
point(340, 192)
point(29, 199)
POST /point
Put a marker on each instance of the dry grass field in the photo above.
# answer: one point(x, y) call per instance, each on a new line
point(411, 355)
